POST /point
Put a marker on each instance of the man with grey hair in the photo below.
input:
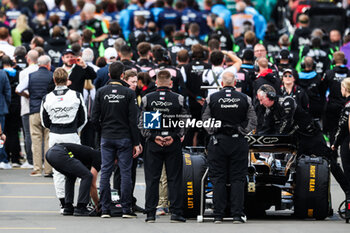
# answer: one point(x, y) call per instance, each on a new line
point(88, 57)
point(228, 149)
point(22, 89)
point(118, 44)
point(38, 83)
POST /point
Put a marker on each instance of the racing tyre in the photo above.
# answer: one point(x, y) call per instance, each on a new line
point(194, 167)
point(312, 193)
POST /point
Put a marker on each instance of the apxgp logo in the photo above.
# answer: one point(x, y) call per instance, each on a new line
point(151, 120)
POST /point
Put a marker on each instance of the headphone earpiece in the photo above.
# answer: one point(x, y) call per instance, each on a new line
point(269, 94)
point(302, 64)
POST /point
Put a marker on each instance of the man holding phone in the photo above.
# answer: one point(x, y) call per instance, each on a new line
point(77, 69)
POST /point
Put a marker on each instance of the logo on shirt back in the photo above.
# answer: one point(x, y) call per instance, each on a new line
point(151, 120)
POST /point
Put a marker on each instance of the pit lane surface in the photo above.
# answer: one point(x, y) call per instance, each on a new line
point(28, 205)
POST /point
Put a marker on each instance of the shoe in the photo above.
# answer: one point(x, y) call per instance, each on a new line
point(129, 215)
point(35, 173)
point(177, 218)
point(239, 219)
point(218, 220)
point(48, 175)
point(27, 165)
point(105, 214)
point(16, 164)
point(139, 209)
point(81, 212)
point(4, 165)
point(162, 211)
point(151, 218)
point(68, 211)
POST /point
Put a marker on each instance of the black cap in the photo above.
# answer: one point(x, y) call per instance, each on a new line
point(248, 55)
point(68, 51)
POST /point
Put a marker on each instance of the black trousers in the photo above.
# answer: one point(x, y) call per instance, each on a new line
point(154, 158)
point(13, 123)
point(316, 145)
point(228, 164)
point(345, 157)
point(72, 168)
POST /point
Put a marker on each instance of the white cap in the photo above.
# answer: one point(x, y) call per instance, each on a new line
point(111, 53)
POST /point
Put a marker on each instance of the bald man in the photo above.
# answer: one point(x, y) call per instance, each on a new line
point(228, 149)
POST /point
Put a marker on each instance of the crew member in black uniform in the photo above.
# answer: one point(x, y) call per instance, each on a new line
point(290, 88)
point(163, 145)
point(286, 117)
point(163, 61)
point(75, 161)
point(228, 149)
point(336, 101)
point(115, 115)
point(342, 135)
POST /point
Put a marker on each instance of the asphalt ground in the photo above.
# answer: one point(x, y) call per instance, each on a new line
point(28, 205)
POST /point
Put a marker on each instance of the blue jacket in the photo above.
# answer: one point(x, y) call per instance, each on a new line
point(224, 13)
point(102, 77)
point(5, 93)
point(169, 16)
point(38, 84)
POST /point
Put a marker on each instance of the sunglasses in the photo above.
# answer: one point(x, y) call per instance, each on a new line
point(288, 76)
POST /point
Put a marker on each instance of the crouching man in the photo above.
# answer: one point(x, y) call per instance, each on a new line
point(73, 161)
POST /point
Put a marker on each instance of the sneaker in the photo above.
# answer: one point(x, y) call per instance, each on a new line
point(218, 220)
point(27, 165)
point(160, 211)
point(239, 219)
point(177, 218)
point(68, 211)
point(129, 215)
point(16, 164)
point(151, 218)
point(4, 165)
point(105, 214)
point(81, 212)
point(35, 173)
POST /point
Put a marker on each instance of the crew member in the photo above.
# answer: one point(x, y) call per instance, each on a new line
point(286, 117)
point(163, 146)
point(228, 149)
point(115, 114)
point(74, 161)
point(342, 135)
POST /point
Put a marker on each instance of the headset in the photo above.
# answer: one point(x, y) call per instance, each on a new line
point(163, 54)
point(302, 64)
point(269, 94)
point(282, 55)
point(204, 54)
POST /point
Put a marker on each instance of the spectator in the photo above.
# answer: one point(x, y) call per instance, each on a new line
point(102, 74)
point(5, 99)
point(13, 118)
point(77, 69)
point(32, 59)
point(21, 26)
point(4, 45)
point(38, 83)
